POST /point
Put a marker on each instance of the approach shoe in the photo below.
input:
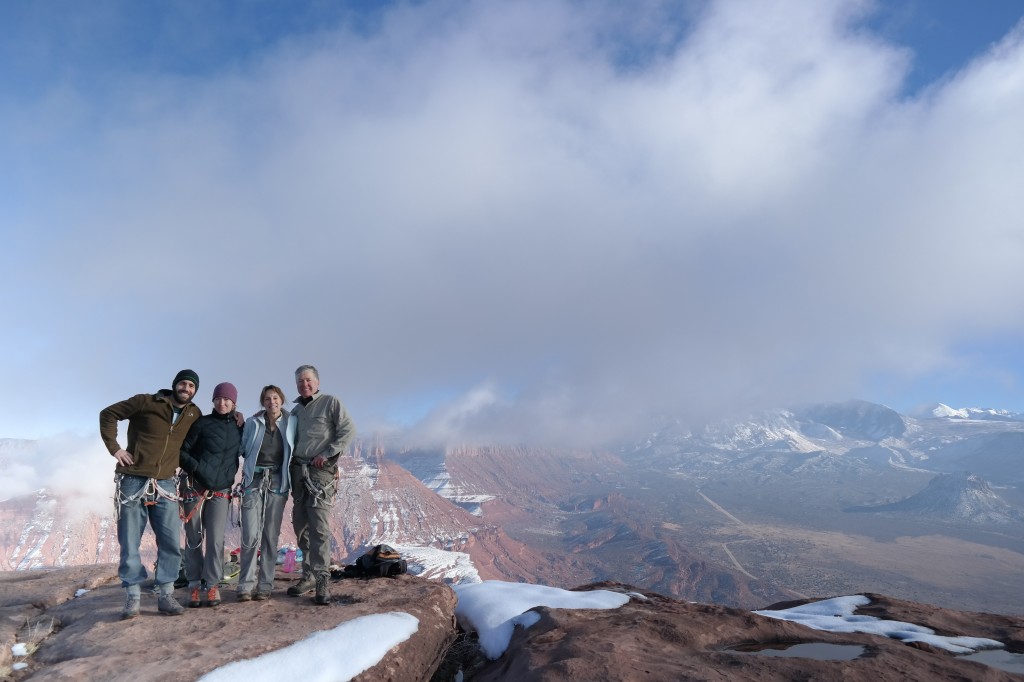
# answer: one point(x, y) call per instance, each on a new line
point(213, 596)
point(323, 595)
point(167, 604)
point(244, 595)
point(304, 586)
point(261, 595)
point(194, 598)
point(131, 607)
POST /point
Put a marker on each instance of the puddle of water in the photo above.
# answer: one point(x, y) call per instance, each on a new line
point(819, 651)
point(998, 658)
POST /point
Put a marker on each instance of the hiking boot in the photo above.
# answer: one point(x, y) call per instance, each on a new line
point(131, 606)
point(194, 599)
point(213, 596)
point(166, 603)
point(261, 595)
point(244, 596)
point(304, 586)
point(323, 595)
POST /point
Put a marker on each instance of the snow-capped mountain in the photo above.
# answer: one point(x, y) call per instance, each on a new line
point(806, 429)
point(962, 497)
point(941, 411)
point(847, 436)
point(855, 419)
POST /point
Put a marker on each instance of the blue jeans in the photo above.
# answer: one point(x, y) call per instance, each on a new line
point(137, 502)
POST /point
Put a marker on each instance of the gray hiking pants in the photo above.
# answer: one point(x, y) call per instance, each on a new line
point(312, 498)
point(209, 521)
point(262, 509)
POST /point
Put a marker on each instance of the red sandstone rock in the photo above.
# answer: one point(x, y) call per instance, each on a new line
point(663, 639)
point(652, 638)
point(88, 641)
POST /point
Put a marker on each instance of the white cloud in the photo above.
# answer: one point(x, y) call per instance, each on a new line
point(491, 194)
point(73, 467)
point(447, 422)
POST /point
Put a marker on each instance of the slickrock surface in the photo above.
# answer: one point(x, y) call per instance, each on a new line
point(82, 638)
point(651, 638)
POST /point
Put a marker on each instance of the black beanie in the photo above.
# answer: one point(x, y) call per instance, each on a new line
point(186, 375)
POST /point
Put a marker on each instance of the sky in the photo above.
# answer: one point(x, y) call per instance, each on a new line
point(524, 221)
point(494, 608)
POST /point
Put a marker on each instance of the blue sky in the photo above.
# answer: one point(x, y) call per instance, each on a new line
point(943, 34)
point(512, 221)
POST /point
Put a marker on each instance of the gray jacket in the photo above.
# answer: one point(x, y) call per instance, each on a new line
point(252, 438)
point(322, 427)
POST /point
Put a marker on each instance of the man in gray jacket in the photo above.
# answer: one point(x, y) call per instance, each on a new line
point(323, 430)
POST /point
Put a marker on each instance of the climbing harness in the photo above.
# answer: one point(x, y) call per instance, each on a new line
point(188, 492)
point(148, 493)
point(262, 486)
point(322, 495)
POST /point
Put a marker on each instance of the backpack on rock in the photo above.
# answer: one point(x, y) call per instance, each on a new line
point(383, 561)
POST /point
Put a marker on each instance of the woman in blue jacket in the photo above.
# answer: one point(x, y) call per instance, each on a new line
point(267, 441)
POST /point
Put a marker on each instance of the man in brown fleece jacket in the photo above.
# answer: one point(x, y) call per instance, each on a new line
point(146, 485)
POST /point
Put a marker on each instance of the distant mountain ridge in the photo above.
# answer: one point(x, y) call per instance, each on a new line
point(842, 436)
point(856, 419)
point(941, 411)
point(962, 497)
point(739, 512)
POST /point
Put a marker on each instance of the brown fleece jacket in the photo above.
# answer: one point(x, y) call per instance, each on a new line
point(153, 441)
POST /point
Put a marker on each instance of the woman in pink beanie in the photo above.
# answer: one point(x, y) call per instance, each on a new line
point(209, 463)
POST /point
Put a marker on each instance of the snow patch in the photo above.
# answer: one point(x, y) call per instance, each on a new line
point(493, 608)
point(837, 615)
point(355, 646)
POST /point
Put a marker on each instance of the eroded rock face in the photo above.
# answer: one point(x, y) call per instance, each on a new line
point(88, 641)
point(658, 638)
